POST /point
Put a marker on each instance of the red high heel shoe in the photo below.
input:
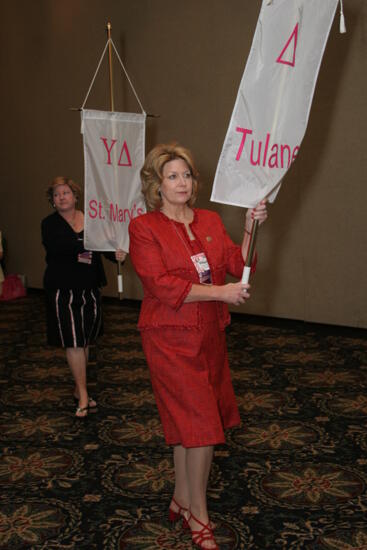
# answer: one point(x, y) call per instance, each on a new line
point(175, 516)
point(204, 534)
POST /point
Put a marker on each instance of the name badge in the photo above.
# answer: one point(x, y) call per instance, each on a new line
point(85, 257)
point(202, 267)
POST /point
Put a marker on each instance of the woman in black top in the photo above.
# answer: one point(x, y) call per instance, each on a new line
point(72, 281)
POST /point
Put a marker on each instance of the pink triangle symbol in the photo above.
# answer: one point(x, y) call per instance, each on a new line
point(293, 38)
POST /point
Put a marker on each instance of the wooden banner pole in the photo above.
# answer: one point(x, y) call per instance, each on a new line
point(250, 253)
point(112, 108)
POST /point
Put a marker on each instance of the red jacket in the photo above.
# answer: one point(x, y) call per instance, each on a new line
point(163, 263)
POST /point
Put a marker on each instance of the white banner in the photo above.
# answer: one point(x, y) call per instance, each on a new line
point(274, 99)
point(114, 151)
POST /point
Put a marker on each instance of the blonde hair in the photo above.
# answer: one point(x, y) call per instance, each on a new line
point(152, 172)
point(62, 180)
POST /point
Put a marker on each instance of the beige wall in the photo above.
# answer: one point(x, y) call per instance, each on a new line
point(186, 60)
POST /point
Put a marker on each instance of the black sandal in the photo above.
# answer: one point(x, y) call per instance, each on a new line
point(81, 410)
point(90, 399)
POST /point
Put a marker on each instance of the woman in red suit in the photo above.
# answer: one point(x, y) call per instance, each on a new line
point(182, 255)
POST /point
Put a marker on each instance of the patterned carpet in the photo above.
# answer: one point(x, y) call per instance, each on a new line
point(293, 476)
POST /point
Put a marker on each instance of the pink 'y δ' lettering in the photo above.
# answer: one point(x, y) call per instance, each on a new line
point(124, 148)
point(293, 38)
point(108, 149)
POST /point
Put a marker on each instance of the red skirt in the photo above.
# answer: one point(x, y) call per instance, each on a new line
point(191, 383)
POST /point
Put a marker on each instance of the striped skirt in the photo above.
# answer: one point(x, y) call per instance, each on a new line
point(74, 317)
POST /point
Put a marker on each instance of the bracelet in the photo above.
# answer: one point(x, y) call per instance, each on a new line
point(248, 232)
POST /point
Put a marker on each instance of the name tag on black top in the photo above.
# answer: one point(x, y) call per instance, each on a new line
point(85, 257)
